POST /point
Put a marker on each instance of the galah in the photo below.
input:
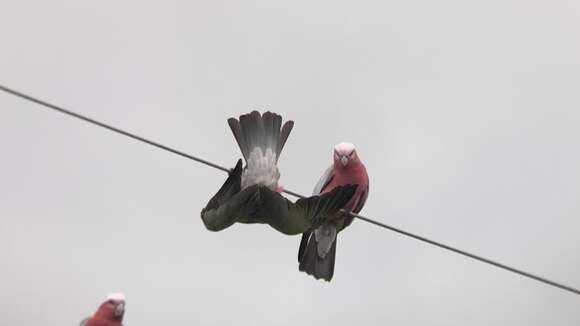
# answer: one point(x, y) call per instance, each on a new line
point(109, 313)
point(252, 194)
point(317, 250)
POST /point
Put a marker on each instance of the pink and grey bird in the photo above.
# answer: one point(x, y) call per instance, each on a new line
point(109, 313)
point(317, 250)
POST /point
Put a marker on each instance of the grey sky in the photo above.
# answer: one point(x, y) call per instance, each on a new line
point(465, 113)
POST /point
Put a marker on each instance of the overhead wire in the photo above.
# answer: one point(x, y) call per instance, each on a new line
point(219, 167)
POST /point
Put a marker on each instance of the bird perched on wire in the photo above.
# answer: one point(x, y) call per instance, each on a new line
point(317, 250)
point(252, 194)
point(109, 313)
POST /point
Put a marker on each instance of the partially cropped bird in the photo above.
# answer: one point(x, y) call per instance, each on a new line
point(317, 250)
point(252, 194)
point(109, 313)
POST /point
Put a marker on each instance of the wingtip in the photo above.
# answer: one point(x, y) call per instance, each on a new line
point(237, 170)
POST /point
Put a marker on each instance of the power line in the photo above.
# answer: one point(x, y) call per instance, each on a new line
point(473, 256)
point(366, 219)
point(106, 126)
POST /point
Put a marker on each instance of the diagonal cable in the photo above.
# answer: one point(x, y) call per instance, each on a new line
point(219, 167)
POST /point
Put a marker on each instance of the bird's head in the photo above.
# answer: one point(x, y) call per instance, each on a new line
point(113, 309)
point(345, 155)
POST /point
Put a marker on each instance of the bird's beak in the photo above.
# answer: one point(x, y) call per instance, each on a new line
point(120, 309)
point(344, 161)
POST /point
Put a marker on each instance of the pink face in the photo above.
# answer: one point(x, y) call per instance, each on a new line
point(345, 155)
point(111, 310)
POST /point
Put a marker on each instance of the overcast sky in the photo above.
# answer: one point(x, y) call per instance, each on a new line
point(465, 113)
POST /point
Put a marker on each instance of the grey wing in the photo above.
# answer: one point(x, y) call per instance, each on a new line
point(362, 201)
point(230, 204)
point(324, 180)
point(320, 185)
point(306, 213)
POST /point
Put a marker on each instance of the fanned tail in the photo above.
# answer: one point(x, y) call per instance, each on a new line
point(264, 131)
point(310, 261)
point(261, 139)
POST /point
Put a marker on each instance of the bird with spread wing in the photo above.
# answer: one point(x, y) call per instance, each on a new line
point(317, 250)
point(251, 194)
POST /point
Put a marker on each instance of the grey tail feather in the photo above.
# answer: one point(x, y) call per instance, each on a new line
point(312, 264)
point(260, 130)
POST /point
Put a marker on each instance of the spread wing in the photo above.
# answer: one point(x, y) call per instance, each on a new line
point(305, 214)
point(229, 204)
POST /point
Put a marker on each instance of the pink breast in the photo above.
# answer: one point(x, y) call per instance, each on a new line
point(340, 179)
